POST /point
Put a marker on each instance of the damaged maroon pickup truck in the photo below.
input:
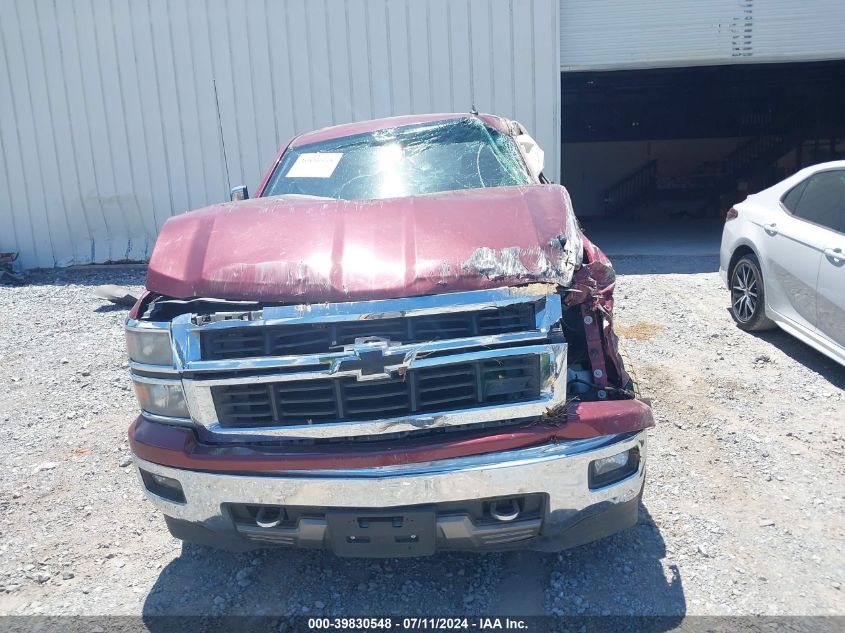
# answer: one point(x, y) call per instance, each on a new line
point(402, 345)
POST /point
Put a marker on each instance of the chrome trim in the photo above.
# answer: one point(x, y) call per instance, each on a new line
point(197, 389)
point(167, 419)
point(153, 369)
point(559, 470)
point(552, 393)
point(332, 359)
point(150, 380)
point(410, 362)
point(145, 326)
point(187, 342)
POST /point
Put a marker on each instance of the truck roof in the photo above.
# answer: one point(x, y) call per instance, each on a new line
point(362, 127)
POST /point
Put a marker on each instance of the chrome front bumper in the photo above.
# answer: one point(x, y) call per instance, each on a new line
point(559, 472)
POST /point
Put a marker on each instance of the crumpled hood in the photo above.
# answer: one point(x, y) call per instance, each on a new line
point(304, 249)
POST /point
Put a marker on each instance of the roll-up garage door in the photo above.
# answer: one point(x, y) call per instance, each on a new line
point(621, 34)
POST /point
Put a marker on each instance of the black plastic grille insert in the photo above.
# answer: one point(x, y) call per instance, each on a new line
point(321, 338)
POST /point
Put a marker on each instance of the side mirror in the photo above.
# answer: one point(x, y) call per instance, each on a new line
point(239, 193)
point(534, 155)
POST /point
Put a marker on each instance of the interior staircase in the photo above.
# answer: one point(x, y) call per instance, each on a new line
point(714, 183)
point(637, 188)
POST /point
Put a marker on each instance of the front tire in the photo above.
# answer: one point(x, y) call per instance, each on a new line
point(748, 298)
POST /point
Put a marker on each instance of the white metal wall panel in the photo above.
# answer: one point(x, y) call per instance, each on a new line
point(621, 34)
point(108, 111)
point(798, 30)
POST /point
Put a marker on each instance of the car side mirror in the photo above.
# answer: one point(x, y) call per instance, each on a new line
point(239, 193)
point(534, 155)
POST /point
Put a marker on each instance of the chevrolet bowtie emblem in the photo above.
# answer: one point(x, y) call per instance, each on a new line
point(372, 358)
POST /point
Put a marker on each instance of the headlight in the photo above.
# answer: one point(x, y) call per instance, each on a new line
point(161, 397)
point(149, 346)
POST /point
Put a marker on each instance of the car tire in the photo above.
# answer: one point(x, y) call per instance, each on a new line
point(748, 298)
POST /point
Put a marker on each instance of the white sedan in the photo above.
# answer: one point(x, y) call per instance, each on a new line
point(783, 258)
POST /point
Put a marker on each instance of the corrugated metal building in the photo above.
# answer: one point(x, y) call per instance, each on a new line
point(109, 117)
point(116, 114)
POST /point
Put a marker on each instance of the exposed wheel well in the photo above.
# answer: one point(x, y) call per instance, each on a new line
point(739, 253)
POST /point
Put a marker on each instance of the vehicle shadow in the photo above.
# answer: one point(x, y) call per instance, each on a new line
point(815, 361)
point(620, 575)
point(123, 275)
point(111, 307)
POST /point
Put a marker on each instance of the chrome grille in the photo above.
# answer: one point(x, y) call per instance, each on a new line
point(445, 387)
point(344, 371)
point(321, 338)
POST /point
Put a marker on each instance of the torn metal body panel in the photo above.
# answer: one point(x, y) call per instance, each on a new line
point(407, 321)
point(592, 286)
point(180, 448)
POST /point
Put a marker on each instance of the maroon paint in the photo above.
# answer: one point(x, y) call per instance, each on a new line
point(135, 311)
point(263, 185)
point(296, 249)
point(592, 335)
point(363, 127)
point(592, 286)
point(178, 447)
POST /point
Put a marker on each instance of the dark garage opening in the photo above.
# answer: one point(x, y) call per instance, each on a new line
point(686, 143)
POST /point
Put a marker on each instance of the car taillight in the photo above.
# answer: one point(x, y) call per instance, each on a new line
point(731, 214)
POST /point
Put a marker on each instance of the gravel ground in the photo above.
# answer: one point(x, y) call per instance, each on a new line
point(742, 513)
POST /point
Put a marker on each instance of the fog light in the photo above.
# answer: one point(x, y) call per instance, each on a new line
point(164, 487)
point(609, 470)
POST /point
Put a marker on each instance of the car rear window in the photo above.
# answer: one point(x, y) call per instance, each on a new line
point(790, 200)
point(823, 200)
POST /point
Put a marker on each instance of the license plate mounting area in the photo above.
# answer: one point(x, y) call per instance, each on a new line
point(382, 533)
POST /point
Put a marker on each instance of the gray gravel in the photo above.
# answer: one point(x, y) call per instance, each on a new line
point(743, 510)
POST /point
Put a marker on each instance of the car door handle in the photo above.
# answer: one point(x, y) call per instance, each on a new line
point(834, 253)
point(771, 228)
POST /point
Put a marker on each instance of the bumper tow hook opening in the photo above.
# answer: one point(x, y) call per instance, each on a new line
point(268, 517)
point(505, 511)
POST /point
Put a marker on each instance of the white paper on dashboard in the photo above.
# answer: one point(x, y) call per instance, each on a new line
point(314, 165)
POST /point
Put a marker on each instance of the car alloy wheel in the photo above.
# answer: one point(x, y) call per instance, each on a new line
point(745, 292)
